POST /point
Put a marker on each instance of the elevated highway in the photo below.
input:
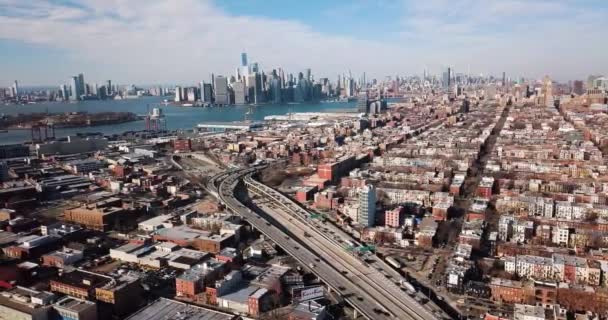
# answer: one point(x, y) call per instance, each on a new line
point(368, 292)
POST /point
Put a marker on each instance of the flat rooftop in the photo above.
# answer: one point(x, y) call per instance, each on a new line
point(84, 280)
point(165, 309)
point(241, 295)
point(74, 304)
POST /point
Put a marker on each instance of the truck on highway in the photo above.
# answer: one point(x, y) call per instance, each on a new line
point(393, 262)
point(408, 286)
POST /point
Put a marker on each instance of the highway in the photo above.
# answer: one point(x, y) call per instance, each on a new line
point(369, 291)
point(366, 271)
point(353, 294)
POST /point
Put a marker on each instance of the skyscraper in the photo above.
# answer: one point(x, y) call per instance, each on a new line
point(244, 59)
point(77, 87)
point(206, 92)
point(15, 89)
point(178, 94)
point(275, 90)
point(74, 89)
point(239, 92)
point(191, 94)
point(282, 76)
point(81, 85)
point(364, 82)
point(109, 87)
point(221, 90)
point(547, 92)
point(259, 89)
point(65, 92)
point(350, 87)
point(367, 206)
point(447, 78)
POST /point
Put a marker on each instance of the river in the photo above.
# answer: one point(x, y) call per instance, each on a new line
point(177, 117)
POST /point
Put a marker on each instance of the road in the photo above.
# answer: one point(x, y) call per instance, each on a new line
point(365, 270)
point(356, 296)
point(370, 292)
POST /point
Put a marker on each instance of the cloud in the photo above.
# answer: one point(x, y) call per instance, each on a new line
point(520, 37)
point(184, 41)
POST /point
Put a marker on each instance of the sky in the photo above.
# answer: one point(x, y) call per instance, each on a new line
point(44, 42)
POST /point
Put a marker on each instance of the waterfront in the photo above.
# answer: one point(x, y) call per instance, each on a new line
point(177, 117)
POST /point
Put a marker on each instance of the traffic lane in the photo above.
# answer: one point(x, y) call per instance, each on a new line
point(324, 273)
point(356, 272)
point(391, 290)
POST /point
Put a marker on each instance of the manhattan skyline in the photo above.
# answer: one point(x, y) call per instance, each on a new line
point(181, 42)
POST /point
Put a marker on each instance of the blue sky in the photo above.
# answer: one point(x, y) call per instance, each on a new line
point(43, 42)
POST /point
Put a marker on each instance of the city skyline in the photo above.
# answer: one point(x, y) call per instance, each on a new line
point(167, 42)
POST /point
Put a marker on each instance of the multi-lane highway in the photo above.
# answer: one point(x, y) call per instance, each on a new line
point(354, 295)
point(366, 271)
point(367, 289)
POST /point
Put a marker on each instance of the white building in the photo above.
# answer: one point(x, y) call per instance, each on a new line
point(534, 267)
point(367, 206)
point(560, 235)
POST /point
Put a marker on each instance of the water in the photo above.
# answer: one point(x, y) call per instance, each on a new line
point(177, 117)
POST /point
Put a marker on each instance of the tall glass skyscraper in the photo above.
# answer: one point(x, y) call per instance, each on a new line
point(74, 83)
point(447, 78)
point(244, 59)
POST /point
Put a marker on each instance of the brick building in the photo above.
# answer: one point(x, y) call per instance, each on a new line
point(101, 216)
point(508, 291)
point(335, 170)
point(182, 145)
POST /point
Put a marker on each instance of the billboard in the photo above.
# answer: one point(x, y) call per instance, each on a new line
point(308, 293)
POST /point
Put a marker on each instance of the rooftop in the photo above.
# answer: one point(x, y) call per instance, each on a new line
point(201, 270)
point(240, 295)
point(74, 304)
point(182, 233)
point(163, 309)
point(83, 279)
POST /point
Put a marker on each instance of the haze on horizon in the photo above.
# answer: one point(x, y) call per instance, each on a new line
point(160, 41)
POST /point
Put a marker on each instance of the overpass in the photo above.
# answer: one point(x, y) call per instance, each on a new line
point(361, 288)
point(365, 270)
